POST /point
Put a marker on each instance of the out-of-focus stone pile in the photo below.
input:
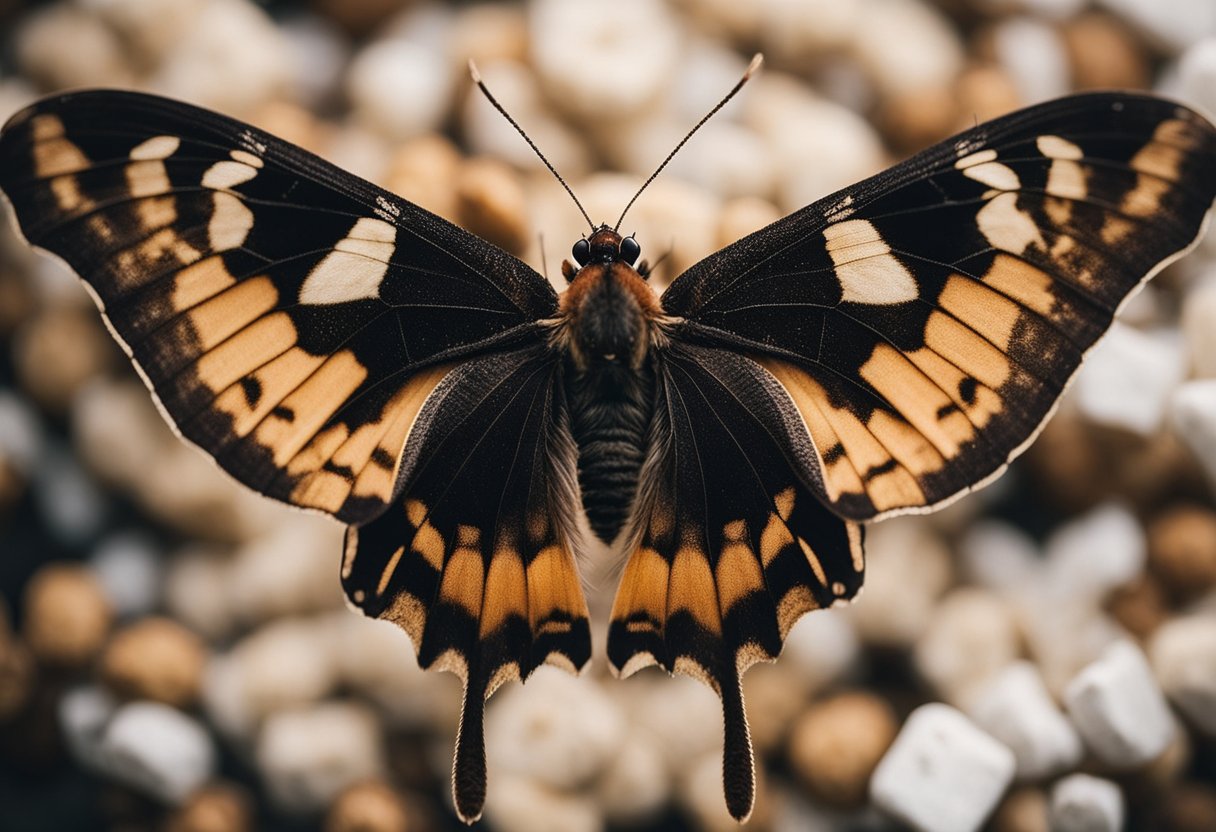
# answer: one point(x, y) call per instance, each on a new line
point(174, 653)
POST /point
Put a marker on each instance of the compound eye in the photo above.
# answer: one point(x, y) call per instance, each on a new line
point(581, 252)
point(630, 250)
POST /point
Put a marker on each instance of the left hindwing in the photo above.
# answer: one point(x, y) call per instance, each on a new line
point(288, 315)
point(925, 321)
point(728, 544)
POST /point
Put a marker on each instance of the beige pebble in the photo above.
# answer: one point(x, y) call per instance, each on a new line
point(488, 32)
point(423, 171)
point(636, 784)
point(17, 674)
point(232, 58)
point(1105, 54)
point(1182, 550)
point(1140, 607)
point(490, 202)
point(907, 45)
point(1022, 810)
point(1190, 808)
point(293, 124)
point(148, 30)
point(16, 298)
point(360, 17)
point(369, 806)
point(908, 569)
point(217, 807)
point(196, 590)
point(973, 634)
point(67, 617)
point(516, 803)
point(920, 117)
point(261, 589)
point(400, 88)
point(775, 695)
point(58, 351)
point(700, 794)
point(837, 743)
point(64, 45)
point(742, 216)
point(155, 658)
point(983, 92)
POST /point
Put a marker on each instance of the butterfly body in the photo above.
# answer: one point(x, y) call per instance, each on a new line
point(884, 350)
point(609, 324)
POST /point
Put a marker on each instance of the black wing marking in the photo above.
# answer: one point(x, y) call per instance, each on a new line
point(288, 316)
point(925, 321)
point(476, 562)
point(728, 544)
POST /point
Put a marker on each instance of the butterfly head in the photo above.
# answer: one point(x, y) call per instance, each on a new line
point(606, 246)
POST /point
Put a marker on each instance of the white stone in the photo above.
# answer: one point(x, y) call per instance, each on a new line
point(796, 32)
point(1118, 708)
point(260, 588)
point(817, 145)
point(308, 756)
point(400, 87)
point(152, 27)
point(284, 664)
point(158, 750)
point(63, 45)
point(232, 57)
point(376, 658)
point(1197, 75)
point(1183, 656)
point(603, 61)
point(1062, 636)
point(557, 729)
point(196, 588)
point(21, 439)
point(942, 774)
point(515, 803)
point(71, 504)
point(1129, 376)
point(1094, 554)
point(972, 635)
point(707, 69)
point(1173, 24)
point(821, 649)
point(1016, 709)
point(682, 715)
point(906, 45)
point(635, 785)
point(907, 570)
point(1083, 803)
point(999, 557)
point(129, 567)
point(1193, 419)
point(319, 53)
point(83, 715)
point(1032, 52)
point(489, 134)
point(1199, 325)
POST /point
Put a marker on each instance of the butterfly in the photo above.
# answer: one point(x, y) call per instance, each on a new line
point(884, 350)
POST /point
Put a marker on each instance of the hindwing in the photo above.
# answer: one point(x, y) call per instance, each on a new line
point(476, 561)
point(728, 543)
point(924, 322)
point(288, 316)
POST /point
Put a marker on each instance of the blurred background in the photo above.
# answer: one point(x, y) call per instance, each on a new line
point(174, 651)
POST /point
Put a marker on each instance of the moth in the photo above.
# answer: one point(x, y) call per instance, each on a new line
point(882, 351)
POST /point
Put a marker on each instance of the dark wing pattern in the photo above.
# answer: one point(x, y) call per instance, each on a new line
point(280, 308)
point(335, 347)
point(924, 322)
point(729, 544)
point(476, 563)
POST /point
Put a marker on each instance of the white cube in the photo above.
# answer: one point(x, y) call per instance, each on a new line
point(942, 774)
point(1081, 803)
point(1118, 708)
point(1017, 709)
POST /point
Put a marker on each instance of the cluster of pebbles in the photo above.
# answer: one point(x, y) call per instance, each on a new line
point(174, 652)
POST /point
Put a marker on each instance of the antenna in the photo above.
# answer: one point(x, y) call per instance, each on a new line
point(485, 91)
point(757, 60)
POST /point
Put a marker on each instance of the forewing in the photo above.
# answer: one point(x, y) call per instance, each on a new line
point(924, 322)
point(476, 561)
point(288, 316)
point(728, 544)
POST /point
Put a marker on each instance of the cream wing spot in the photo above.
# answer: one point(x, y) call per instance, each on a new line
point(246, 158)
point(979, 157)
point(994, 175)
point(231, 222)
point(228, 174)
point(1066, 179)
point(1055, 147)
point(1006, 226)
point(157, 147)
point(355, 268)
point(867, 271)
